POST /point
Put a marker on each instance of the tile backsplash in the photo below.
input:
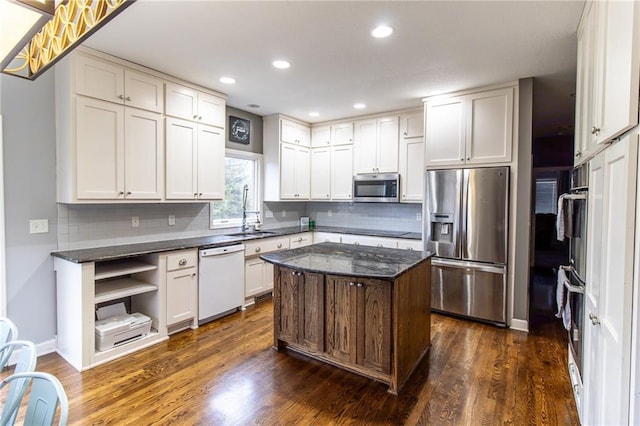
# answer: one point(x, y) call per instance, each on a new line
point(379, 216)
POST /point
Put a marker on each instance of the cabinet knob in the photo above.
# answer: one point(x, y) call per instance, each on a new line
point(195, 194)
point(359, 285)
point(351, 284)
point(356, 243)
point(280, 245)
point(120, 97)
point(257, 249)
point(128, 192)
point(578, 154)
point(327, 195)
point(595, 130)
point(468, 158)
point(462, 159)
point(293, 273)
point(299, 239)
point(594, 319)
point(193, 275)
point(200, 194)
point(199, 117)
point(410, 248)
point(379, 245)
point(299, 274)
point(121, 193)
point(182, 262)
point(128, 98)
point(405, 133)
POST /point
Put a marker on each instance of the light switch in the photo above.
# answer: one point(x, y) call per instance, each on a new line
point(39, 226)
point(135, 221)
point(172, 220)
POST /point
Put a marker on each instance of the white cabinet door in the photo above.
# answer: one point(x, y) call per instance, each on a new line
point(387, 146)
point(584, 91)
point(445, 132)
point(267, 276)
point(412, 125)
point(294, 133)
point(143, 91)
point(211, 110)
point(342, 134)
point(320, 173)
point(365, 146)
point(489, 126)
point(144, 155)
point(254, 276)
point(182, 154)
point(181, 101)
point(411, 169)
point(210, 163)
point(620, 75)
point(341, 172)
point(181, 292)
point(320, 136)
point(608, 313)
point(301, 240)
point(99, 149)
point(98, 79)
point(326, 237)
point(287, 171)
point(302, 172)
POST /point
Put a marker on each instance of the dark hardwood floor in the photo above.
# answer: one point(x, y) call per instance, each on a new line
point(226, 373)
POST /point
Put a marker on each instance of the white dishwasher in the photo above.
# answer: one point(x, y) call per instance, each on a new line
point(220, 281)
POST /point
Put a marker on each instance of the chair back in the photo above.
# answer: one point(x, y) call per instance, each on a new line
point(45, 395)
point(8, 333)
point(26, 363)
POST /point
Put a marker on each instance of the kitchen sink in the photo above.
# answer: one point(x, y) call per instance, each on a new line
point(251, 234)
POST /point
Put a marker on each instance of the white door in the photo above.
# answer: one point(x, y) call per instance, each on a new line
point(320, 136)
point(144, 154)
point(181, 101)
point(143, 91)
point(365, 146)
point(288, 131)
point(181, 302)
point(489, 126)
point(287, 171)
point(304, 135)
point(253, 276)
point(412, 125)
point(99, 149)
point(320, 173)
point(98, 79)
point(583, 88)
point(608, 401)
point(342, 134)
point(445, 132)
point(411, 169)
point(388, 140)
point(181, 162)
point(211, 110)
point(302, 172)
point(210, 163)
point(342, 172)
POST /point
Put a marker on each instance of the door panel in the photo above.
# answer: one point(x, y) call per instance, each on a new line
point(442, 212)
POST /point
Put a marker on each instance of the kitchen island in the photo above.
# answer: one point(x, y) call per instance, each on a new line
point(363, 309)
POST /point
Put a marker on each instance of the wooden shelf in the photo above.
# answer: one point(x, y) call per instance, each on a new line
point(115, 289)
point(118, 268)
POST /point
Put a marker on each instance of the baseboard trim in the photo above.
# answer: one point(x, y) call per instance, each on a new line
point(43, 348)
point(519, 325)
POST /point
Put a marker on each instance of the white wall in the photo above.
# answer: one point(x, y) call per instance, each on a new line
point(30, 191)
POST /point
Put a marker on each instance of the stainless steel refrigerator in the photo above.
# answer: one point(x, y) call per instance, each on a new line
point(466, 217)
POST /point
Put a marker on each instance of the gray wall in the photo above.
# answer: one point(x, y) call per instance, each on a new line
point(255, 135)
point(523, 207)
point(30, 192)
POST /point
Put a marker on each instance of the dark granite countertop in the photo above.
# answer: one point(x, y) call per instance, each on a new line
point(349, 260)
point(211, 241)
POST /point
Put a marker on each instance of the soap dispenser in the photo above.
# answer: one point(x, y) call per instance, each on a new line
point(257, 223)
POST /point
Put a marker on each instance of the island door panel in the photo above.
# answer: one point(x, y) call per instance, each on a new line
point(288, 300)
point(374, 324)
point(341, 319)
point(311, 311)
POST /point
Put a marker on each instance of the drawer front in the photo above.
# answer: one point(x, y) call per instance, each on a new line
point(265, 245)
point(182, 260)
point(301, 240)
point(410, 244)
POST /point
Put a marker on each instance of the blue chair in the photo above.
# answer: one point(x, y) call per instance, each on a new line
point(26, 363)
point(8, 333)
point(45, 395)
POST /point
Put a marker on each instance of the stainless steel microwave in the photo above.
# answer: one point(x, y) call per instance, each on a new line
point(376, 188)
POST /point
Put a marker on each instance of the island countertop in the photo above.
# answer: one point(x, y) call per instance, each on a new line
point(349, 260)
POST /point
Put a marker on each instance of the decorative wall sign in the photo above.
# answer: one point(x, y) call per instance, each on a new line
point(239, 130)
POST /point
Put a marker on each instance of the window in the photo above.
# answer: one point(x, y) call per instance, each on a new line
point(241, 168)
point(546, 195)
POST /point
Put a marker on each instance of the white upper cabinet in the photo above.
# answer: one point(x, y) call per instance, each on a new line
point(342, 134)
point(341, 172)
point(411, 158)
point(321, 173)
point(376, 145)
point(190, 104)
point(470, 129)
point(114, 83)
point(320, 136)
point(293, 132)
point(608, 75)
point(294, 172)
point(195, 161)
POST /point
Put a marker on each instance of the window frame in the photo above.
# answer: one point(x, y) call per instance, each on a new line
point(237, 222)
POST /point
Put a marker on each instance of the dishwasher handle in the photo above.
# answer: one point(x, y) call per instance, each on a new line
point(218, 251)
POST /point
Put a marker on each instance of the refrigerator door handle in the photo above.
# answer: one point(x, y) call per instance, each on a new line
point(468, 265)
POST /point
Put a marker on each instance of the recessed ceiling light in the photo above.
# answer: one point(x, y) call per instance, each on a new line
point(381, 31)
point(314, 114)
point(359, 106)
point(281, 64)
point(227, 80)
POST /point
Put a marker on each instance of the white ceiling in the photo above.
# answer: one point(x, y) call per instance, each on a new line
point(447, 45)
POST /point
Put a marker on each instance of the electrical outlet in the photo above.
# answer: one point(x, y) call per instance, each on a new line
point(284, 213)
point(172, 220)
point(135, 221)
point(329, 213)
point(418, 217)
point(268, 214)
point(39, 226)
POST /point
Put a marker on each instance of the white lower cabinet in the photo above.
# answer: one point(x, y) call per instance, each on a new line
point(326, 237)
point(258, 274)
point(366, 240)
point(408, 244)
point(301, 240)
point(182, 290)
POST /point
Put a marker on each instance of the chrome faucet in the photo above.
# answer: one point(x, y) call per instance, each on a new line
point(245, 196)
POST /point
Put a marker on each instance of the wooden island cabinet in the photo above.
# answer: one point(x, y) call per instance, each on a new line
point(364, 309)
